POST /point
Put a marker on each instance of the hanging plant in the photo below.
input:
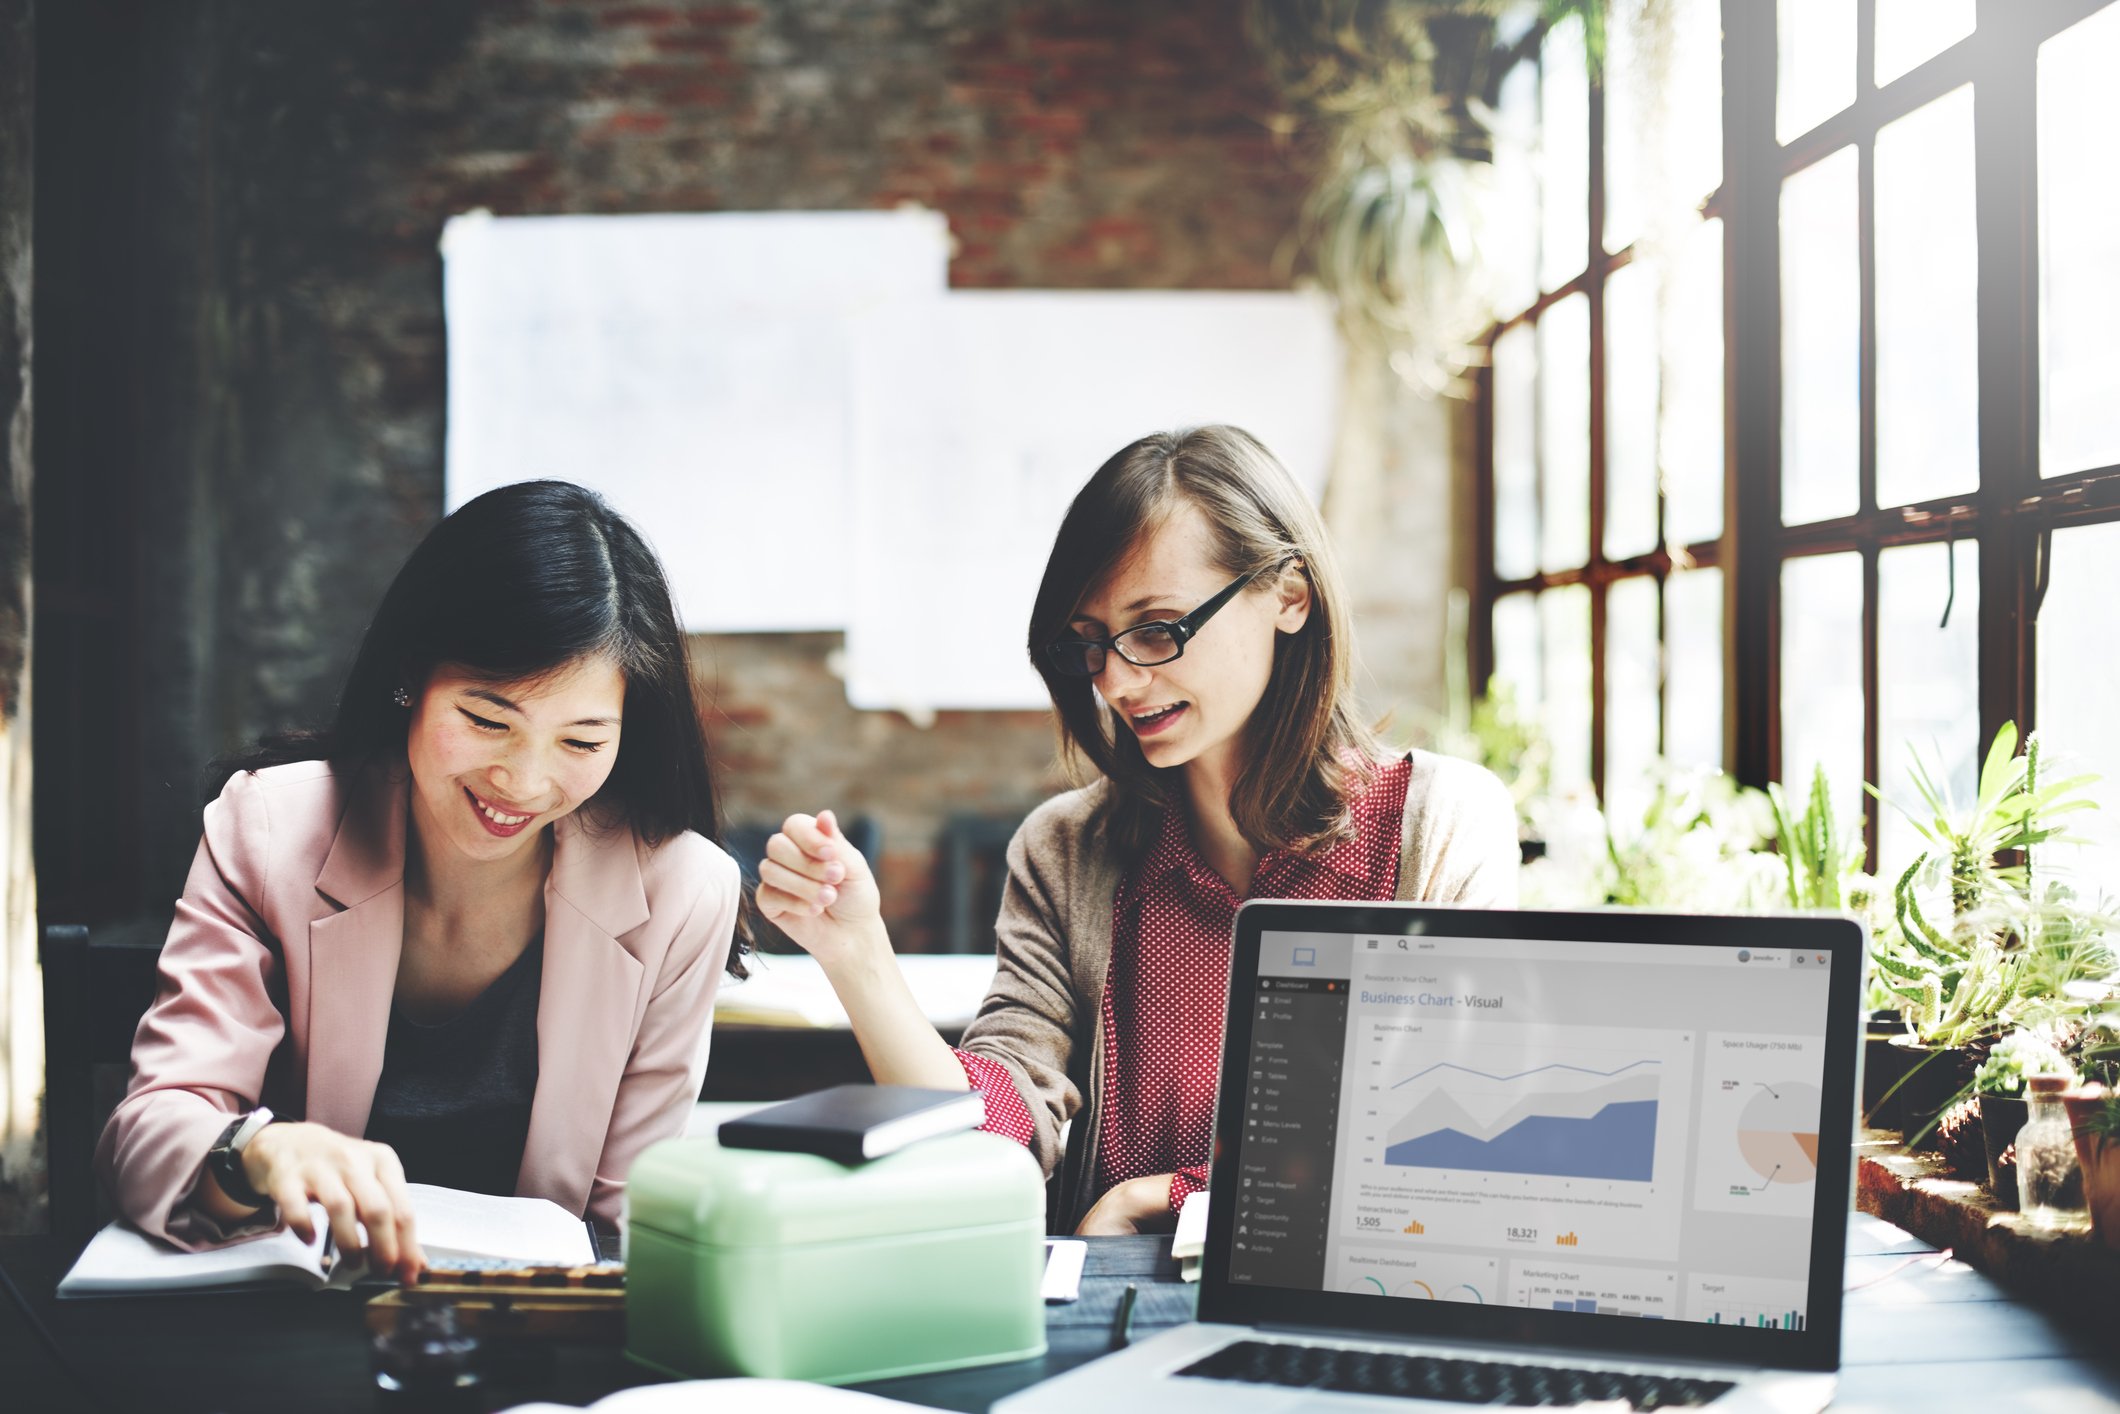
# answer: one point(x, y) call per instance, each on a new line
point(1401, 88)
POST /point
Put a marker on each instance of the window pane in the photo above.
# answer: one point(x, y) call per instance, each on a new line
point(1693, 683)
point(1816, 44)
point(1564, 636)
point(1928, 378)
point(1516, 655)
point(1564, 434)
point(1510, 238)
point(1692, 145)
point(2078, 683)
point(1690, 439)
point(1928, 684)
point(1632, 704)
point(1515, 466)
point(1821, 281)
point(1630, 411)
point(1663, 115)
point(1564, 137)
point(2079, 246)
point(1821, 675)
point(1631, 102)
point(1912, 32)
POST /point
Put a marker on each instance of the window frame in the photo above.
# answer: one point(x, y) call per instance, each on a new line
point(2014, 512)
point(1600, 572)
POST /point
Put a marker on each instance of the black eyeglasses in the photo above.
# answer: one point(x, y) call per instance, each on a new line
point(1144, 645)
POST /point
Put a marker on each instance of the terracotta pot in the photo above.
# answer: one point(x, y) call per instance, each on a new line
point(2099, 1158)
point(2001, 1116)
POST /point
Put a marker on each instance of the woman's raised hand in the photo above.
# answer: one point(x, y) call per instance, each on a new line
point(359, 1184)
point(816, 888)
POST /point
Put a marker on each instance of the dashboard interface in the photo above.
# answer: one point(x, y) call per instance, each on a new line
point(1614, 1129)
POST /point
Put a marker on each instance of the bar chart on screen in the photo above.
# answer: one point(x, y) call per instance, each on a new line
point(1648, 1292)
point(1747, 1301)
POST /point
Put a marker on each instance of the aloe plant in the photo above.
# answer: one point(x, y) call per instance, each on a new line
point(2007, 947)
point(1822, 861)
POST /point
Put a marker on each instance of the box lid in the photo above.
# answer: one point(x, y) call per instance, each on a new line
point(698, 1191)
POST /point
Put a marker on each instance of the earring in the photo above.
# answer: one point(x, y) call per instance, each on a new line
point(402, 697)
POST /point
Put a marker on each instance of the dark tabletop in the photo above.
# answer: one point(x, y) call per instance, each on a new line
point(1923, 1332)
point(232, 1352)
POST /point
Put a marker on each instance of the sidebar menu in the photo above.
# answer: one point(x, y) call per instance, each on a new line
point(1291, 1119)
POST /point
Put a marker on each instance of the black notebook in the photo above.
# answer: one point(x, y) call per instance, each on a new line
point(851, 1123)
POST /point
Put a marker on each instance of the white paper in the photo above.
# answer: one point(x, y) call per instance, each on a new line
point(451, 1223)
point(122, 1259)
point(695, 370)
point(977, 424)
point(1190, 1240)
point(728, 1397)
point(790, 989)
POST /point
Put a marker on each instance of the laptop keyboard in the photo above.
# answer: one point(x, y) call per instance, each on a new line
point(1325, 1367)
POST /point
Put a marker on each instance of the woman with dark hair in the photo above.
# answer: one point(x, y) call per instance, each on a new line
point(462, 937)
point(1193, 635)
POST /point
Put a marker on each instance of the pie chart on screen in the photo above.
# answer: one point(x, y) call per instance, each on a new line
point(1778, 1132)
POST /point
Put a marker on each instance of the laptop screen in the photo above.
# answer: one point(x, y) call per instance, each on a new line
point(1597, 1128)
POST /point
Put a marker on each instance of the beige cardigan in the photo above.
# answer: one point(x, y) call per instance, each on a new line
point(1458, 845)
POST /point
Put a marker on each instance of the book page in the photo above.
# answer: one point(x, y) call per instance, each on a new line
point(451, 1223)
point(123, 1260)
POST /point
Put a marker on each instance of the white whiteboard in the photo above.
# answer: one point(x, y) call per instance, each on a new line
point(695, 369)
point(979, 419)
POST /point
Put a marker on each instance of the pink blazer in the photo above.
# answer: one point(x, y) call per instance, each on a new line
point(277, 978)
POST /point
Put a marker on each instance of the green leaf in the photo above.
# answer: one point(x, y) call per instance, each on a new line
point(1998, 772)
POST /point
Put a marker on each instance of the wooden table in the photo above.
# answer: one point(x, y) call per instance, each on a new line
point(1923, 1334)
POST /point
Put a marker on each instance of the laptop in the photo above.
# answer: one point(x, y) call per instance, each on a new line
point(1517, 1158)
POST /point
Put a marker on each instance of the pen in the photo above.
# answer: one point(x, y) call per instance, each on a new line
point(1123, 1320)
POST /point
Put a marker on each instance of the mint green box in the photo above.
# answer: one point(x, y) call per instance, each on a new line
point(789, 1266)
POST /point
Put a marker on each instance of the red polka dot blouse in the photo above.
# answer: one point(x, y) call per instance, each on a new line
point(1167, 986)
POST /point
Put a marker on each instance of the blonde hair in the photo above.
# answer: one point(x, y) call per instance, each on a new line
point(1306, 752)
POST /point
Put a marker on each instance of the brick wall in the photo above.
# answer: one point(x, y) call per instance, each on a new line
point(258, 347)
point(786, 740)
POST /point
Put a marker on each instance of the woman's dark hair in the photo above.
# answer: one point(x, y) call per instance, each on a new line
point(514, 585)
point(1307, 753)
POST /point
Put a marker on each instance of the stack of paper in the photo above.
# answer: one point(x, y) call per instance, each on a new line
point(791, 990)
point(1191, 1238)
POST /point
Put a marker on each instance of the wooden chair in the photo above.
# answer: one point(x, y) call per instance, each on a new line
point(95, 992)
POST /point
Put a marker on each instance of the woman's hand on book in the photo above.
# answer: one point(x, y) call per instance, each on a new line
point(358, 1183)
point(816, 888)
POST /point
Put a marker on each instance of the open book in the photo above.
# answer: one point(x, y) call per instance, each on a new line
point(452, 1227)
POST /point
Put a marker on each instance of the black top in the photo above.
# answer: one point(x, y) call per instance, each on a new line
point(454, 1098)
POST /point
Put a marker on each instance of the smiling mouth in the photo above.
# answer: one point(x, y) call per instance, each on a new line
point(1149, 723)
point(497, 821)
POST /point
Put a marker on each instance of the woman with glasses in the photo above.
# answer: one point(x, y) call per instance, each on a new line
point(1193, 633)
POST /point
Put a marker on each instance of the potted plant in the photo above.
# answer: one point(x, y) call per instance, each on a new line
point(1999, 1084)
point(2007, 944)
point(2094, 1119)
point(1822, 867)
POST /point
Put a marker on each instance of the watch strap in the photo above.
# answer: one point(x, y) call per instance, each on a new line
point(225, 1159)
